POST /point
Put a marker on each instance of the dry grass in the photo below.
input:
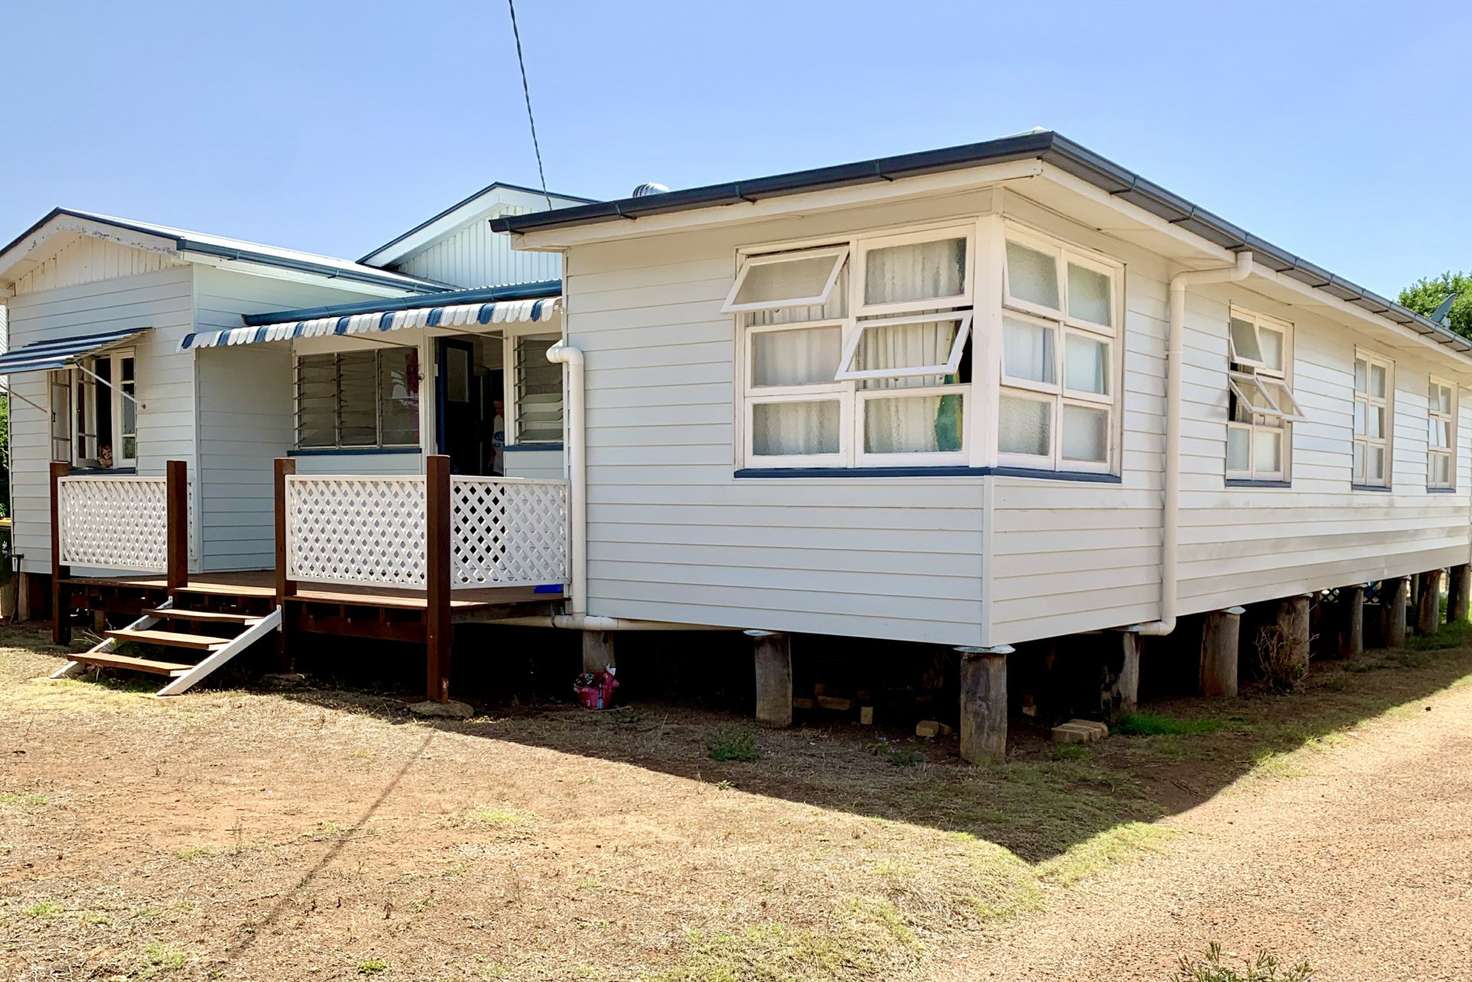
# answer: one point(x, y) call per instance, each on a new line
point(231, 834)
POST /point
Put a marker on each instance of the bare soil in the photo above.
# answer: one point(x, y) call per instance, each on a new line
point(232, 834)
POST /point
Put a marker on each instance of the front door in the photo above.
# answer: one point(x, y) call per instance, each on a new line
point(457, 399)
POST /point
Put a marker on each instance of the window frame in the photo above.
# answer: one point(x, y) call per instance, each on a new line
point(748, 263)
point(1064, 326)
point(512, 396)
point(1434, 415)
point(377, 388)
point(1387, 403)
point(854, 332)
point(83, 396)
point(1256, 373)
point(864, 244)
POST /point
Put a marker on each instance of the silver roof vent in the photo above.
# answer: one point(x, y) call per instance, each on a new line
point(650, 187)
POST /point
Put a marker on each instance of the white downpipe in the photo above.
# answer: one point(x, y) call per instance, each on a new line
point(1174, 347)
point(563, 353)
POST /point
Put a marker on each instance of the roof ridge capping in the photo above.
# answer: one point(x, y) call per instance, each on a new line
point(1046, 145)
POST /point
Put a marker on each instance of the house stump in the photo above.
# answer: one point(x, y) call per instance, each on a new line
point(1293, 621)
point(1458, 593)
point(1428, 609)
point(1351, 621)
point(1220, 638)
point(1395, 596)
point(598, 651)
point(984, 704)
point(1127, 684)
point(773, 655)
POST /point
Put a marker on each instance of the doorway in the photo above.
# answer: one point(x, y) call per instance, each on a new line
point(462, 431)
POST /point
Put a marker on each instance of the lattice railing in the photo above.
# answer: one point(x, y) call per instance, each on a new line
point(363, 530)
point(113, 523)
point(507, 532)
point(370, 531)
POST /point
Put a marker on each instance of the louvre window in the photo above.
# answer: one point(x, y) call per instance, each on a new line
point(357, 399)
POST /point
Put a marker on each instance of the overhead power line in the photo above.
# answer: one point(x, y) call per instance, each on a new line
point(526, 91)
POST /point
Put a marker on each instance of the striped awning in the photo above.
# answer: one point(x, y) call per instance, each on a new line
point(62, 352)
point(469, 315)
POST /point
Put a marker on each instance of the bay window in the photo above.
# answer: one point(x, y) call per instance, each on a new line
point(862, 352)
point(357, 399)
point(1261, 406)
point(94, 412)
point(1373, 385)
point(1441, 435)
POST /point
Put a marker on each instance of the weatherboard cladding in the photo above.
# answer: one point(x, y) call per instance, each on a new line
point(1049, 147)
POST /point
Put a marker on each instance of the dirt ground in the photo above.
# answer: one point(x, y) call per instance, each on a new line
point(328, 835)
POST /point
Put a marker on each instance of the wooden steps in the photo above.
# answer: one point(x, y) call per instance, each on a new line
point(108, 659)
point(202, 616)
point(169, 639)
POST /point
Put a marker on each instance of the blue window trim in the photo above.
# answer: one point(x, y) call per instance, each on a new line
point(1237, 482)
point(1382, 488)
point(350, 451)
point(848, 472)
point(531, 447)
point(102, 471)
point(1441, 490)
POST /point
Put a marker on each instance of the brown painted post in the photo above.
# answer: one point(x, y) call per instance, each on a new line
point(437, 629)
point(1352, 621)
point(1396, 594)
point(1458, 593)
point(1220, 637)
point(61, 628)
point(983, 704)
point(285, 466)
point(1428, 611)
point(176, 540)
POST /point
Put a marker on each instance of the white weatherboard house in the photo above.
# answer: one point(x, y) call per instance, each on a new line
point(971, 397)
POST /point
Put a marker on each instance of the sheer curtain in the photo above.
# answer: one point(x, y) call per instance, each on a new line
point(908, 424)
point(805, 356)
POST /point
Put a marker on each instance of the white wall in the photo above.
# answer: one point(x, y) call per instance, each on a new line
point(471, 255)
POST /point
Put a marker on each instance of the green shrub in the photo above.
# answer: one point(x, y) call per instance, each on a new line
point(731, 743)
point(1210, 968)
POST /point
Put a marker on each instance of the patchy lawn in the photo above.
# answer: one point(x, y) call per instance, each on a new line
point(327, 835)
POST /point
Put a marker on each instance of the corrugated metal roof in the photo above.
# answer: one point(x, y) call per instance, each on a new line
point(61, 352)
point(1047, 146)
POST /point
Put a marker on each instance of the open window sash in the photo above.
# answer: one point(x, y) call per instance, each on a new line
point(1264, 396)
point(810, 277)
point(1282, 397)
point(847, 370)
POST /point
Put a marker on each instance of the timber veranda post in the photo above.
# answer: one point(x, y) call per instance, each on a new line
point(61, 628)
point(176, 536)
point(285, 587)
point(437, 629)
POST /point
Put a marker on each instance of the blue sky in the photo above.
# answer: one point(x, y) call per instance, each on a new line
point(1342, 132)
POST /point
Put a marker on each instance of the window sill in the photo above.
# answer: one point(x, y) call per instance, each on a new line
point(1441, 490)
point(1241, 482)
point(1383, 488)
point(848, 472)
point(349, 451)
point(531, 447)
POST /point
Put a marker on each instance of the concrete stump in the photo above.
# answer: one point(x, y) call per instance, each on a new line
point(1395, 596)
point(1127, 686)
point(1351, 621)
point(598, 651)
point(773, 654)
point(1459, 593)
point(983, 706)
point(1220, 638)
point(1293, 622)
point(1428, 610)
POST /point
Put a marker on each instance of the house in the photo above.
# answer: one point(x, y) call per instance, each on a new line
point(974, 397)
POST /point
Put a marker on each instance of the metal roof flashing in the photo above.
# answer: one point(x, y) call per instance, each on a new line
point(1047, 146)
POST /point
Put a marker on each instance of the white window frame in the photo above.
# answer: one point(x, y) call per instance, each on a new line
point(1387, 402)
point(854, 332)
point(1063, 326)
point(838, 253)
point(865, 244)
point(337, 445)
point(512, 419)
point(939, 458)
point(1433, 417)
point(83, 387)
point(1274, 420)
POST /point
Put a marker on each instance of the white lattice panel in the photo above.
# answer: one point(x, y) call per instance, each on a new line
point(365, 530)
point(113, 522)
point(507, 532)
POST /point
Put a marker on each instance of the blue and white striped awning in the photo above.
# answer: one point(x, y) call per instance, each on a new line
point(468, 315)
point(62, 352)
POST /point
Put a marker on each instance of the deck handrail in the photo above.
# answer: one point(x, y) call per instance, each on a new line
point(371, 530)
point(117, 522)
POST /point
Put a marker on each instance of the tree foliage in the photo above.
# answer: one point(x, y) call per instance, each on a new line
point(1425, 295)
